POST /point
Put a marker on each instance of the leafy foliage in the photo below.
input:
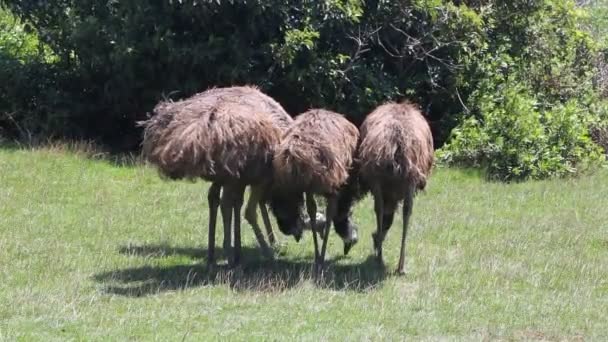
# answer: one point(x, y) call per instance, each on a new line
point(531, 112)
point(28, 102)
point(15, 41)
point(516, 139)
point(347, 55)
point(115, 59)
point(595, 19)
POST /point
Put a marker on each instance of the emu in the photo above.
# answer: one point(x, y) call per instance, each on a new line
point(315, 157)
point(395, 159)
point(226, 136)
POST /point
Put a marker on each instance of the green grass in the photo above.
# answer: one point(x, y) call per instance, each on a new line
point(94, 251)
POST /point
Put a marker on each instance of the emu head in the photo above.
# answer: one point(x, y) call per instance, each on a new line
point(287, 208)
point(348, 231)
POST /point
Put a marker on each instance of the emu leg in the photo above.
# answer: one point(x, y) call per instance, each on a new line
point(378, 236)
point(330, 213)
point(226, 208)
point(408, 203)
point(267, 224)
point(237, 204)
point(311, 207)
point(255, 200)
point(343, 224)
point(213, 198)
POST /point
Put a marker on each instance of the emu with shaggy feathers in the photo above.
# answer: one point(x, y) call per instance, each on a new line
point(395, 159)
point(226, 136)
point(315, 156)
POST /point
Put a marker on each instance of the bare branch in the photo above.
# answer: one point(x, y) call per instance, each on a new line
point(362, 48)
point(417, 49)
point(466, 109)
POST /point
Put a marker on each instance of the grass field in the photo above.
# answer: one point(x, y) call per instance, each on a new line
point(94, 251)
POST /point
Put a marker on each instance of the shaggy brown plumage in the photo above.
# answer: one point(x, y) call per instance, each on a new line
point(218, 143)
point(215, 135)
point(224, 135)
point(395, 159)
point(316, 153)
point(254, 97)
point(315, 156)
point(396, 144)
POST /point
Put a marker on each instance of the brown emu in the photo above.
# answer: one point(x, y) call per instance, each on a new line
point(315, 156)
point(226, 136)
point(395, 158)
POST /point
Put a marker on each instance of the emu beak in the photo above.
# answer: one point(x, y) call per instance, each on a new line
point(348, 246)
point(297, 236)
point(298, 230)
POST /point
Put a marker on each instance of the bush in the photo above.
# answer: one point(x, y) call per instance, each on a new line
point(347, 55)
point(515, 139)
point(33, 105)
point(14, 40)
point(29, 102)
point(532, 114)
point(115, 59)
point(599, 128)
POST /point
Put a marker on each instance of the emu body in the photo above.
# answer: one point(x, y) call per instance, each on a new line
point(226, 136)
point(315, 156)
point(395, 159)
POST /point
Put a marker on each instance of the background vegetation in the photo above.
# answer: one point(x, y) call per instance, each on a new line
point(523, 82)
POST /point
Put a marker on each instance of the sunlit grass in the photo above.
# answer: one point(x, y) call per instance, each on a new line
point(94, 251)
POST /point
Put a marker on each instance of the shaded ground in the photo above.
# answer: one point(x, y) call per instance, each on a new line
point(254, 275)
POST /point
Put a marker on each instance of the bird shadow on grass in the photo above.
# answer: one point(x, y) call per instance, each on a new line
point(256, 274)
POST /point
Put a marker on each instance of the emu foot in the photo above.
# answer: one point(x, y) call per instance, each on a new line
point(319, 266)
point(234, 263)
point(380, 258)
point(235, 259)
point(318, 260)
point(268, 253)
point(378, 248)
point(211, 263)
point(211, 266)
point(211, 257)
point(400, 268)
point(227, 249)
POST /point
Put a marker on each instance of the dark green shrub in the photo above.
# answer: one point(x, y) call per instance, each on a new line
point(115, 59)
point(347, 55)
point(28, 105)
